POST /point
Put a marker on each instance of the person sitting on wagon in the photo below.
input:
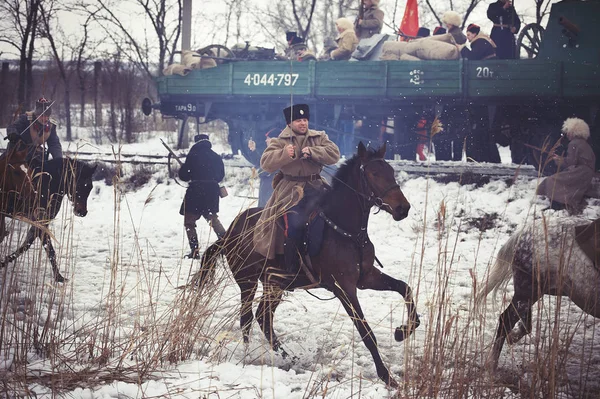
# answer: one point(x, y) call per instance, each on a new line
point(346, 40)
point(567, 187)
point(482, 47)
point(453, 21)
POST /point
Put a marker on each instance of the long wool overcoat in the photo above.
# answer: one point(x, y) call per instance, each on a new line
point(204, 169)
point(268, 235)
point(569, 185)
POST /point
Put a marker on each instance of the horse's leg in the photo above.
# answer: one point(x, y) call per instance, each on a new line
point(376, 280)
point(506, 323)
point(523, 308)
point(248, 290)
point(264, 315)
point(350, 302)
point(47, 243)
point(32, 233)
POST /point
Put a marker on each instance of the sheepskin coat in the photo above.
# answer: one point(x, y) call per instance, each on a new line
point(346, 41)
point(371, 24)
point(482, 48)
point(569, 185)
point(268, 234)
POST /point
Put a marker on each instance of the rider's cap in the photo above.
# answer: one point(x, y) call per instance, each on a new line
point(42, 106)
point(200, 137)
point(298, 111)
point(290, 35)
point(474, 29)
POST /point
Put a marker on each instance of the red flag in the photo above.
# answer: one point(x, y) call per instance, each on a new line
point(410, 21)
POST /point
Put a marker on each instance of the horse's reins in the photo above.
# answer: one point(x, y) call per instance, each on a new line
point(361, 238)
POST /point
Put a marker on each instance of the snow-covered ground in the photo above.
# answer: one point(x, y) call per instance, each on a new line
point(124, 261)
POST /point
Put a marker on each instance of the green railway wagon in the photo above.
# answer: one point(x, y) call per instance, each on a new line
point(515, 102)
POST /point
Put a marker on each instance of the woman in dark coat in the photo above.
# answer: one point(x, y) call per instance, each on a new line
point(482, 47)
point(204, 169)
point(567, 187)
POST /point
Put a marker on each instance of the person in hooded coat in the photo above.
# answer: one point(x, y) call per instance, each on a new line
point(346, 40)
point(299, 153)
point(567, 187)
point(204, 169)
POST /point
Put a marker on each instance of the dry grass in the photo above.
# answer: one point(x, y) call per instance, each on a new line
point(42, 343)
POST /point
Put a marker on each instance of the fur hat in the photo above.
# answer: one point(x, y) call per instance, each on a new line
point(474, 29)
point(451, 18)
point(576, 128)
point(289, 35)
point(201, 137)
point(43, 106)
point(298, 111)
point(423, 32)
point(296, 40)
point(439, 30)
point(344, 23)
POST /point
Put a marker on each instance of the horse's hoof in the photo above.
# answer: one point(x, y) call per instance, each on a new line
point(402, 333)
point(60, 279)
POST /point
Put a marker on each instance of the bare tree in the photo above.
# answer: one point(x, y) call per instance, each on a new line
point(164, 16)
point(18, 26)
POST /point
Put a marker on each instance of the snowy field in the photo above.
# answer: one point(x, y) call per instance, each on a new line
point(121, 305)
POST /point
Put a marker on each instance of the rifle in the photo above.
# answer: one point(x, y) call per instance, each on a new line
point(171, 152)
point(361, 14)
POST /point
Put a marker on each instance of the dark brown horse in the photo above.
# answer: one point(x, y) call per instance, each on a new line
point(57, 178)
point(344, 263)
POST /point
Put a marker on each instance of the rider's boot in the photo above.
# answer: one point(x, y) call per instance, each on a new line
point(193, 240)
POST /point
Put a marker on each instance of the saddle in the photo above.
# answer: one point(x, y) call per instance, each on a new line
point(303, 231)
point(587, 237)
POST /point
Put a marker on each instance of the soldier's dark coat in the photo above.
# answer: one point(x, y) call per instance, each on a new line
point(482, 48)
point(34, 136)
point(504, 19)
point(204, 169)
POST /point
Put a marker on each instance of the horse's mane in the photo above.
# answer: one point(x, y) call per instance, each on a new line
point(343, 174)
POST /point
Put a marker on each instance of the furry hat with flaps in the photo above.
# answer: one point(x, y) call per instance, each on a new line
point(576, 128)
point(298, 111)
point(451, 18)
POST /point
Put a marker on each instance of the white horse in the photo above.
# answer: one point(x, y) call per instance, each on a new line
point(542, 258)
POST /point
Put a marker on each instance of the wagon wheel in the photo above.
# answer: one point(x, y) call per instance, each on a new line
point(530, 39)
point(222, 53)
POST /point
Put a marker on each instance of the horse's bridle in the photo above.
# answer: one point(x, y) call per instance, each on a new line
point(373, 199)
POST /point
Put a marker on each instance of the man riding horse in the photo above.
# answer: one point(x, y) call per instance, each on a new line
point(36, 131)
point(299, 155)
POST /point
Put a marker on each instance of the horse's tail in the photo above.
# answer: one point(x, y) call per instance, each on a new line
point(208, 263)
point(501, 271)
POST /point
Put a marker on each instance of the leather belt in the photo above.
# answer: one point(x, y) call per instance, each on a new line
point(502, 25)
point(302, 178)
